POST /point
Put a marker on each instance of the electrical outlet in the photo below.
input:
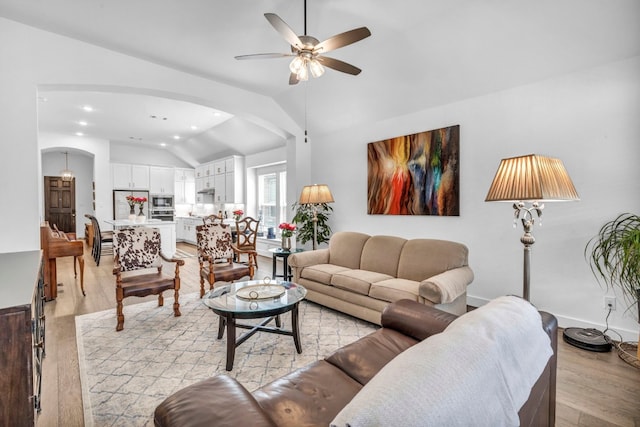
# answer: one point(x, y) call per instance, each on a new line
point(610, 302)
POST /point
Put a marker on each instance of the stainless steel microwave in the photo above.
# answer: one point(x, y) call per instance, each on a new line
point(161, 202)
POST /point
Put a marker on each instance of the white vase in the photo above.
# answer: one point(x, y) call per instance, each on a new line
point(141, 218)
point(132, 217)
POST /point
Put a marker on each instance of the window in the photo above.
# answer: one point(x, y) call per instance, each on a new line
point(272, 196)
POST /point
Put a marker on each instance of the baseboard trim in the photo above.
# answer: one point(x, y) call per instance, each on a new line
point(566, 322)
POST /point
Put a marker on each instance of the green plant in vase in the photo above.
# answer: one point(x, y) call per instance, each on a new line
point(614, 257)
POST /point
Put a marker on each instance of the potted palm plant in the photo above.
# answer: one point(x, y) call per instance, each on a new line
point(614, 257)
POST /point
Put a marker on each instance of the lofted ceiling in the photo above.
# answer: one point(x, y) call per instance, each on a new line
point(421, 54)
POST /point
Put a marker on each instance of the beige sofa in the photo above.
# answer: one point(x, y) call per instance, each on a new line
point(360, 274)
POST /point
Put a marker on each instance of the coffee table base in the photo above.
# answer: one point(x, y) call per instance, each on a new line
point(229, 323)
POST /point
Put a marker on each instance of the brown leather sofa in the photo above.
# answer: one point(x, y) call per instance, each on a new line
point(314, 395)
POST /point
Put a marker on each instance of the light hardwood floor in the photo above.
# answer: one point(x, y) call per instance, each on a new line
point(593, 389)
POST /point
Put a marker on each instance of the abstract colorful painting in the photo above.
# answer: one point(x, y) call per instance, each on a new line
point(415, 174)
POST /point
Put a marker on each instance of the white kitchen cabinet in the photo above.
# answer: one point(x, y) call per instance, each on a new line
point(190, 229)
point(219, 183)
point(200, 171)
point(186, 229)
point(129, 177)
point(180, 229)
point(185, 186)
point(230, 189)
point(219, 167)
point(230, 164)
point(161, 180)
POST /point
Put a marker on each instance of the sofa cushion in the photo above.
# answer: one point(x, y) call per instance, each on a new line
point(395, 289)
point(483, 384)
point(381, 254)
point(358, 281)
point(423, 258)
point(322, 272)
point(309, 396)
point(362, 359)
point(345, 248)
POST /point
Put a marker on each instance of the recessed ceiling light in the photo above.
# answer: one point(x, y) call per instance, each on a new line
point(216, 114)
point(79, 134)
point(82, 123)
point(194, 127)
point(88, 108)
point(163, 144)
point(176, 136)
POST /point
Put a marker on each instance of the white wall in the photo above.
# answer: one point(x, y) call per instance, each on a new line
point(33, 58)
point(588, 119)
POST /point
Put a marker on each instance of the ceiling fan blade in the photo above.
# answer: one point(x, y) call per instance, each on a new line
point(342, 39)
point(264, 56)
point(284, 30)
point(293, 79)
point(338, 65)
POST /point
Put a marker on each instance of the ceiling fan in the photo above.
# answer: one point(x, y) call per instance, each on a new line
point(308, 52)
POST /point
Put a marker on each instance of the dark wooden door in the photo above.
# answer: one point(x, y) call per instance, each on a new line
point(60, 203)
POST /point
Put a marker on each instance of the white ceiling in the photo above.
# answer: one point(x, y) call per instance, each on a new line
point(421, 54)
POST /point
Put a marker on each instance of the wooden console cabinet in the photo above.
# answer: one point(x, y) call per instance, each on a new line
point(21, 336)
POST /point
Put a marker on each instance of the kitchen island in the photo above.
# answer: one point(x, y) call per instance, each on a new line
point(167, 232)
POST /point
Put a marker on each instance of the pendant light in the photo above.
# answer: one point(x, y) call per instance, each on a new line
point(66, 173)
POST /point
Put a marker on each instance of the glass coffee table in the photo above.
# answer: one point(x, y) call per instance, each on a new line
point(255, 299)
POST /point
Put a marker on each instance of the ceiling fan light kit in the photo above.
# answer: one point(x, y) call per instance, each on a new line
point(307, 50)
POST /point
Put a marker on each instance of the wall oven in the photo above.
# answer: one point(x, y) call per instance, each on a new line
point(161, 202)
point(163, 214)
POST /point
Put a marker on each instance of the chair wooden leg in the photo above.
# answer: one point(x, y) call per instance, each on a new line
point(81, 264)
point(201, 286)
point(160, 300)
point(176, 304)
point(120, 315)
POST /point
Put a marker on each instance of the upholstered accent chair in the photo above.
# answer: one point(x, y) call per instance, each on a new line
point(212, 219)
point(216, 253)
point(137, 249)
point(247, 234)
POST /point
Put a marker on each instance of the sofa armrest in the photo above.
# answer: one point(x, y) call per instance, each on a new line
point(299, 260)
point(445, 287)
point(218, 400)
point(414, 319)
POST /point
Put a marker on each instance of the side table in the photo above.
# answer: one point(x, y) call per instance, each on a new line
point(284, 254)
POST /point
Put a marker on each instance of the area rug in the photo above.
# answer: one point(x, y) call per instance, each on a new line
point(126, 374)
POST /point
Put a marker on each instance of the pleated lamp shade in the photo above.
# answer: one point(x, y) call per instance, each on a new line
point(315, 194)
point(531, 177)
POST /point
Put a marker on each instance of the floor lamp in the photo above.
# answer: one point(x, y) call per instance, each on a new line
point(315, 195)
point(530, 179)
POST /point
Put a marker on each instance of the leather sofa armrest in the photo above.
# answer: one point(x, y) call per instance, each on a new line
point(445, 287)
point(218, 400)
point(415, 319)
